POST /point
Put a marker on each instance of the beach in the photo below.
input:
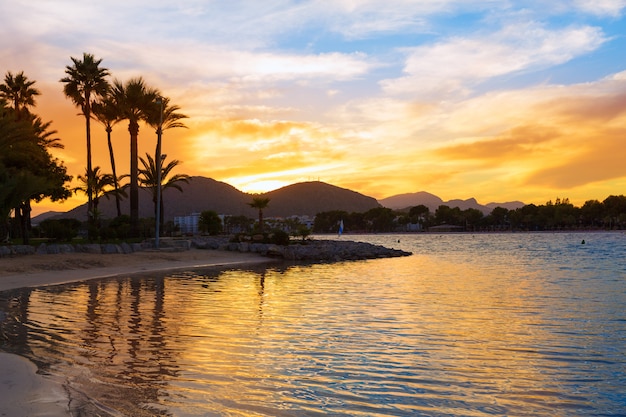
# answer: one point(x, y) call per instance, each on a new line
point(22, 390)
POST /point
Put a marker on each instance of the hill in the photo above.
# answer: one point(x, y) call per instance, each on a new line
point(307, 198)
point(403, 201)
point(310, 198)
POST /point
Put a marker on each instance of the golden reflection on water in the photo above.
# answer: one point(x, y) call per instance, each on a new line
point(431, 333)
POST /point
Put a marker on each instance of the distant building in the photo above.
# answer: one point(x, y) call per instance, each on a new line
point(413, 227)
point(446, 228)
point(188, 225)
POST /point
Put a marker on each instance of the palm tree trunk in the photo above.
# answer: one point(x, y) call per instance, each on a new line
point(133, 128)
point(24, 223)
point(261, 220)
point(162, 216)
point(88, 134)
point(116, 184)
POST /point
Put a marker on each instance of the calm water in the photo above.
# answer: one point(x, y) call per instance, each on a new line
point(470, 325)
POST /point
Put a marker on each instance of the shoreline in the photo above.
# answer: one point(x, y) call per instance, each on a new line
point(23, 391)
point(53, 269)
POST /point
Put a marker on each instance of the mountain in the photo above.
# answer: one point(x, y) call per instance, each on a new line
point(403, 201)
point(307, 198)
point(511, 205)
point(310, 198)
point(43, 216)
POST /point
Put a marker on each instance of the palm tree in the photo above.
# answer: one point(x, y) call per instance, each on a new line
point(260, 203)
point(134, 102)
point(19, 91)
point(85, 82)
point(97, 183)
point(106, 113)
point(149, 179)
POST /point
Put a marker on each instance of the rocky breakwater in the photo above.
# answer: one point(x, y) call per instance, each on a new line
point(311, 250)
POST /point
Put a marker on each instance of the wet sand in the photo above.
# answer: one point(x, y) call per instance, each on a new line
point(40, 270)
point(23, 392)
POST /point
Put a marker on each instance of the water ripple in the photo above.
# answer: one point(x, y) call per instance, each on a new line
point(516, 325)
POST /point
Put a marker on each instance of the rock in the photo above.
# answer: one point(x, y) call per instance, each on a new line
point(91, 248)
point(126, 248)
point(22, 250)
point(42, 249)
point(110, 248)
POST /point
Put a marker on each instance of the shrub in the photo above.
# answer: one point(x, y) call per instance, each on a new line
point(280, 237)
point(60, 229)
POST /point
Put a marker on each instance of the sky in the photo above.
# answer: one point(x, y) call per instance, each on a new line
point(497, 100)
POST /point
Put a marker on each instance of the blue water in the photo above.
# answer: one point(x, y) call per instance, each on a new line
point(470, 325)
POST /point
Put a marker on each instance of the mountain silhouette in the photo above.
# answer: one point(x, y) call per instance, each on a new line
point(301, 199)
point(201, 193)
point(405, 201)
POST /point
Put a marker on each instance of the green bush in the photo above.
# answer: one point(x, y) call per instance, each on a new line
point(60, 229)
point(280, 237)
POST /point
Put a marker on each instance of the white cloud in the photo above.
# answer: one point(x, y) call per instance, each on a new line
point(456, 65)
point(611, 8)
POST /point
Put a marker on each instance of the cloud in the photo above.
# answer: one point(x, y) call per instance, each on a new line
point(520, 143)
point(611, 8)
point(456, 65)
point(601, 160)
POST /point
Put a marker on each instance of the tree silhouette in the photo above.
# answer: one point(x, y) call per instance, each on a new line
point(260, 203)
point(148, 178)
point(85, 82)
point(19, 91)
point(134, 102)
point(98, 183)
point(106, 113)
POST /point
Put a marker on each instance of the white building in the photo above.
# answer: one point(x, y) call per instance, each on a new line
point(188, 224)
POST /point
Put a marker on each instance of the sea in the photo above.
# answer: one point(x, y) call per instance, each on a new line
point(503, 324)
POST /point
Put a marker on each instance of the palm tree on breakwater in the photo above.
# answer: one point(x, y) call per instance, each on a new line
point(260, 203)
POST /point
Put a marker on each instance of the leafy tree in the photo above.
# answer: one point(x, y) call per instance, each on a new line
point(85, 82)
point(210, 222)
point(27, 170)
point(303, 231)
point(419, 214)
point(148, 178)
point(328, 221)
point(380, 219)
point(260, 203)
point(134, 101)
point(238, 224)
point(615, 211)
point(499, 216)
point(471, 218)
point(591, 212)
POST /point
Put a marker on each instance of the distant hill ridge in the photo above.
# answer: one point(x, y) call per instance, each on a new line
point(404, 201)
point(305, 198)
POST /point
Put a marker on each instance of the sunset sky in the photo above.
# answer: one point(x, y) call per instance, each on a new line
point(498, 100)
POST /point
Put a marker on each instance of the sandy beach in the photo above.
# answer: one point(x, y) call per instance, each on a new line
point(23, 392)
